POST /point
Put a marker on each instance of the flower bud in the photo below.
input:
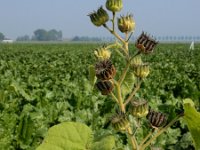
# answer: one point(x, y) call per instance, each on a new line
point(145, 44)
point(126, 24)
point(105, 70)
point(105, 87)
point(156, 119)
point(102, 54)
point(139, 109)
point(141, 71)
point(114, 5)
point(100, 17)
point(120, 122)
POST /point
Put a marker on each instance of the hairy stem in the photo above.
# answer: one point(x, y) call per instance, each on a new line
point(113, 22)
point(124, 73)
point(133, 93)
point(114, 97)
point(160, 132)
point(146, 138)
point(132, 139)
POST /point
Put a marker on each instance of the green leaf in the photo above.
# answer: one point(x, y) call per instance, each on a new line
point(192, 118)
point(92, 75)
point(107, 143)
point(68, 136)
point(128, 83)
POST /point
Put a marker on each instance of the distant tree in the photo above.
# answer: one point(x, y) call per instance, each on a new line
point(23, 38)
point(1, 36)
point(43, 35)
point(40, 35)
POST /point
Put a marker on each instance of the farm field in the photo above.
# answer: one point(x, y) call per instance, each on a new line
point(42, 85)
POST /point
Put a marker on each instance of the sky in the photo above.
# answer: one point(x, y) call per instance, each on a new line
point(156, 17)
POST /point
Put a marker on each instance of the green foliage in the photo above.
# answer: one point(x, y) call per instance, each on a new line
point(73, 136)
point(48, 84)
point(192, 117)
point(67, 135)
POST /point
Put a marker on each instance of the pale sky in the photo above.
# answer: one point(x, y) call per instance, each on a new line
point(157, 17)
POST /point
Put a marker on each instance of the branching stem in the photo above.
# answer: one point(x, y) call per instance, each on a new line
point(160, 132)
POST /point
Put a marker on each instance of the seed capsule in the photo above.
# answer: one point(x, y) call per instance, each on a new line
point(126, 24)
point(105, 70)
point(136, 61)
point(99, 17)
point(120, 122)
point(139, 109)
point(105, 87)
point(114, 5)
point(156, 119)
point(141, 71)
point(102, 54)
point(145, 44)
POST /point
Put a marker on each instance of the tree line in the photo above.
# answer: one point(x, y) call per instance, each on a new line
point(39, 35)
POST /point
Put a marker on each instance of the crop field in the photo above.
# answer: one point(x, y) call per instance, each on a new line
point(42, 85)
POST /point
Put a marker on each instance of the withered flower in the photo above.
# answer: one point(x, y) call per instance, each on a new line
point(105, 87)
point(156, 119)
point(145, 44)
point(120, 122)
point(105, 70)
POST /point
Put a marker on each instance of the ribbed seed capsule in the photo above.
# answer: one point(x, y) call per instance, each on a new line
point(156, 119)
point(102, 53)
point(99, 17)
point(114, 5)
point(136, 61)
point(105, 87)
point(145, 44)
point(141, 71)
point(105, 70)
point(120, 122)
point(138, 108)
point(126, 23)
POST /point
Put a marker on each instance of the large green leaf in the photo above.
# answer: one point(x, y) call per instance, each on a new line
point(107, 143)
point(192, 117)
point(67, 136)
point(92, 75)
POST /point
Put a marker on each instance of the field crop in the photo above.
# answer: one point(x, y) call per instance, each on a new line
point(44, 84)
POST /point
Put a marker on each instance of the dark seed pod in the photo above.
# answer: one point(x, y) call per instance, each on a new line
point(120, 122)
point(105, 70)
point(145, 43)
point(138, 108)
point(156, 119)
point(105, 87)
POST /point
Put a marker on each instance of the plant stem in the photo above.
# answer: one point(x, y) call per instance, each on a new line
point(113, 22)
point(114, 97)
point(114, 33)
point(120, 100)
point(160, 132)
point(133, 93)
point(146, 138)
point(124, 73)
point(132, 139)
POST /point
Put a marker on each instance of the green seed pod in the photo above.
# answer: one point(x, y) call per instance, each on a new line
point(105, 87)
point(100, 17)
point(105, 70)
point(141, 71)
point(126, 23)
point(102, 53)
point(136, 61)
point(156, 119)
point(145, 44)
point(120, 122)
point(114, 5)
point(139, 109)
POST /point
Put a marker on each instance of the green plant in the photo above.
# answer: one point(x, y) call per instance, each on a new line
point(131, 109)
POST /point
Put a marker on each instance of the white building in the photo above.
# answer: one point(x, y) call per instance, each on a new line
point(7, 41)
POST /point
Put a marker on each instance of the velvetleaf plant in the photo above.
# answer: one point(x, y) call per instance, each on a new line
point(105, 73)
point(131, 110)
